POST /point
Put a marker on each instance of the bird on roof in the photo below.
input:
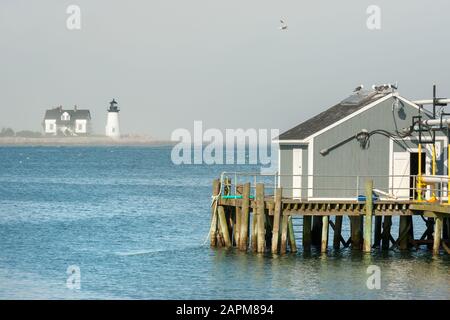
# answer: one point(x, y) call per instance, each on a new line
point(358, 88)
point(283, 25)
point(378, 88)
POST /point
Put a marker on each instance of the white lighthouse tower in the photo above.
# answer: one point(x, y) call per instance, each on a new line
point(112, 122)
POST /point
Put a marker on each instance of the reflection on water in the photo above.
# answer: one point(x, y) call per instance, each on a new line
point(339, 275)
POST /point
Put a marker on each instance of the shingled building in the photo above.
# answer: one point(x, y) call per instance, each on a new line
point(64, 122)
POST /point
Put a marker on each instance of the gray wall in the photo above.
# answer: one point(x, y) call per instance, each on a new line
point(350, 160)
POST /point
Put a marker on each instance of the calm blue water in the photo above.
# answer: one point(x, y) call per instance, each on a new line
point(135, 224)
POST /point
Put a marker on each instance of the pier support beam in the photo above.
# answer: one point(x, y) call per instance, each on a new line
point(316, 231)
point(356, 234)
point(368, 221)
point(446, 229)
point(411, 241)
point(437, 235)
point(254, 231)
point(261, 237)
point(292, 244)
point(237, 218)
point(386, 235)
point(284, 231)
point(245, 219)
point(276, 220)
point(324, 242)
point(213, 228)
point(337, 232)
point(403, 233)
point(307, 232)
point(224, 226)
point(377, 236)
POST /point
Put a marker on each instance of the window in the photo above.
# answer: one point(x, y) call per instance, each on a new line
point(80, 127)
point(51, 127)
point(65, 116)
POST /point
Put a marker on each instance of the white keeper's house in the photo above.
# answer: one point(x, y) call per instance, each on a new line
point(65, 122)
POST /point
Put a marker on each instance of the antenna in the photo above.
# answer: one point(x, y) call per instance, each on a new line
point(434, 101)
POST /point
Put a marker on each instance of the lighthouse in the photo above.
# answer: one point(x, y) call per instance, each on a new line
point(112, 122)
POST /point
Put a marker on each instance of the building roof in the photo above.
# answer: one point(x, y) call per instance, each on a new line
point(75, 114)
point(339, 111)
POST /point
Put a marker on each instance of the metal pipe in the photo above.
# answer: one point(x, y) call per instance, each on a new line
point(430, 101)
point(434, 179)
point(433, 172)
point(448, 168)
point(435, 122)
point(419, 173)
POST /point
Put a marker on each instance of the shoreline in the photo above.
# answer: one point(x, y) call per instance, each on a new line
point(81, 141)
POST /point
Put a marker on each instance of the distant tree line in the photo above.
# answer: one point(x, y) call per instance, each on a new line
point(8, 132)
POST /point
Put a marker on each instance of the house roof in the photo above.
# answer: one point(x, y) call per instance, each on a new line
point(56, 113)
point(337, 112)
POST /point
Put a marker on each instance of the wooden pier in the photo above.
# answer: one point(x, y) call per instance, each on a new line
point(263, 223)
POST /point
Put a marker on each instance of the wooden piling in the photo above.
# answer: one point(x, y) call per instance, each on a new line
point(213, 228)
point(356, 235)
point(243, 238)
point(284, 231)
point(377, 236)
point(224, 226)
point(403, 233)
point(337, 232)
point(429, 236)
point(292, 244)
point(386, 235)
point(368, 218)
point(260, 212)
point(437, 234)
point(411, 241)
point(254, 229)
point(324, 243)
point(268, 227)
point(276, 220)
point(316, 231)
point(237, 218)
point(307, 232)
point(445, 229)
point(230, 214)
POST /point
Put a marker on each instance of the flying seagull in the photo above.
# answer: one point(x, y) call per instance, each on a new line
point(358, 88)
point(283, 25)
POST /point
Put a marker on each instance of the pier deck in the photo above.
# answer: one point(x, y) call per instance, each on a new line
point(264, 223)
point(335, 207)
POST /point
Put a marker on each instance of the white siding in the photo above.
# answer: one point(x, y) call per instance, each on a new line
point(50, 126)
point(80, 126)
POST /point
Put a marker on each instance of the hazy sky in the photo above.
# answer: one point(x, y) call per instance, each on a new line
point(170, 62)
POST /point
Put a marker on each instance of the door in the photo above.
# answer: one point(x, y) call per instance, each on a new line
point(400, 175)
point(414, 170)
point(297, 172)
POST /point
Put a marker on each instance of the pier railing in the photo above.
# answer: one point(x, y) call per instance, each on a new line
point(345, 187)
